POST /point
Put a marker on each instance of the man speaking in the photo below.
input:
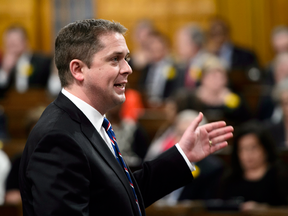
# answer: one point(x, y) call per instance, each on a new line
point(71, 164)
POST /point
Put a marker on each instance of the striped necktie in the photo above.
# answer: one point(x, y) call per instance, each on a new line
point(108, 128)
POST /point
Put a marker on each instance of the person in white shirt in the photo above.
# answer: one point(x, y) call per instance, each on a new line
point(68, 166)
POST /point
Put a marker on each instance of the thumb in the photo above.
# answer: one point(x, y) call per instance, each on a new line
point(195, 123)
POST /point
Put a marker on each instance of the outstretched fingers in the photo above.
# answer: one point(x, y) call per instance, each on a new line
point(217, 147)
point(220, 131)
point(221, 134)
point(214, 125)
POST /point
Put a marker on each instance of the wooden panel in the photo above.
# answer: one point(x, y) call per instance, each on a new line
point(45, 26)
point(12, 13)
point(238, 14)
point(16, 107)
point(168, 15)
point(278, 13)
point(252, 21)
point(34, 16)
point(11, 210)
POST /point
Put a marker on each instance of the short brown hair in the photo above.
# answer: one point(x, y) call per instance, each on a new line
point(80, 40)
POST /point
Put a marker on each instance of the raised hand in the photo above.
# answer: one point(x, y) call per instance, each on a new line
point(199, 141)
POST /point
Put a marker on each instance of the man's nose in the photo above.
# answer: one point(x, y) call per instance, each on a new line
point(125, 67)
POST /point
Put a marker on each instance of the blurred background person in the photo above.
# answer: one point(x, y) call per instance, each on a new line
point(236, 58)
point(20, 67)
point(279, 43)
point(257, 178)
point(220, 44)
point(213, 97)
point(279, 129)
point(190, 54)
point(279, 39)
point(267, 108)
point(159, 79)
point(140, 56)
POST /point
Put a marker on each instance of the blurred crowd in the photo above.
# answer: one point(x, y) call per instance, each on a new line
point(204, 72)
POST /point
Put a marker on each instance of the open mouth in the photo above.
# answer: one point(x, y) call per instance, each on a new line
point(122, 85)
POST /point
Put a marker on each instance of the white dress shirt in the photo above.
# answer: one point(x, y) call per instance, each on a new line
point(96, 120)
point(5, 167)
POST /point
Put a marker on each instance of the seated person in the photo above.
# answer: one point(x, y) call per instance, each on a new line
point(190, 54)
point(236, 58)
point(159, 79)
point(267, 108)
point(257, 179)
point(213, 97)
point(19, 66)
point(279, 43)
point(279, 130)
point(140, 56)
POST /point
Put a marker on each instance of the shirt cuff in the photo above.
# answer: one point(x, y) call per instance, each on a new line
point(190, 164)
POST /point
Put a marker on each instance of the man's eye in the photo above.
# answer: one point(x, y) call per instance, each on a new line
point(127, 58)
point(115, 59)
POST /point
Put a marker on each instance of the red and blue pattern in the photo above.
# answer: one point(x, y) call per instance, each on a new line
point(106, 124)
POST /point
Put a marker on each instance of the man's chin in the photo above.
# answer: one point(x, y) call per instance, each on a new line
point(121, 100)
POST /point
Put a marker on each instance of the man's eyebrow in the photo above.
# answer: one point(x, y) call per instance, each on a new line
point(119, 53)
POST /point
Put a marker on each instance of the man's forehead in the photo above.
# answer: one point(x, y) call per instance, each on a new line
point(114, 42)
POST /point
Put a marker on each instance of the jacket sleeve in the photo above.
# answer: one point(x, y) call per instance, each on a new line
point(59, 174)
point(161, 176)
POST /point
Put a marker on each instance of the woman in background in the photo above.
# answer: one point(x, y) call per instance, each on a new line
point(257, 177)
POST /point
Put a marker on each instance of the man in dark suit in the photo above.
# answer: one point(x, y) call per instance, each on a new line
point(69, 164)
point(19, 67)
point(159, 78)
point(242, 63)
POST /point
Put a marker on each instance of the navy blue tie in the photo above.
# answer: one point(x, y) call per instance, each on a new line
point(108, 128)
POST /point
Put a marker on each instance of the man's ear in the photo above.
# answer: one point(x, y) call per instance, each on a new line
point(76, 68)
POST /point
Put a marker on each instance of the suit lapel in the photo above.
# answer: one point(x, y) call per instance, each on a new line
point(99, 144)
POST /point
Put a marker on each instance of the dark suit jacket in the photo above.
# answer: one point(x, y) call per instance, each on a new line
point(277, 131)
point(41, 66)
point(243, 59)
point(170, 86)
point(67, 169)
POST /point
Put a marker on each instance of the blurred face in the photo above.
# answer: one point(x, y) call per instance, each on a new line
point(170, 110)
point(157, 48)
point(218, 34)
point(14, 42)
point(280, 43)
point(214, 79)
point(185, 47)
point(106, 79)
point(250, 152)
point(142, 33)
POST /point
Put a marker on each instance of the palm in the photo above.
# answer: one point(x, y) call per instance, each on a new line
point(195, 140)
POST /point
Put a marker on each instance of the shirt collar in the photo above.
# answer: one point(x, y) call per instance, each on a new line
point(90, 112)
